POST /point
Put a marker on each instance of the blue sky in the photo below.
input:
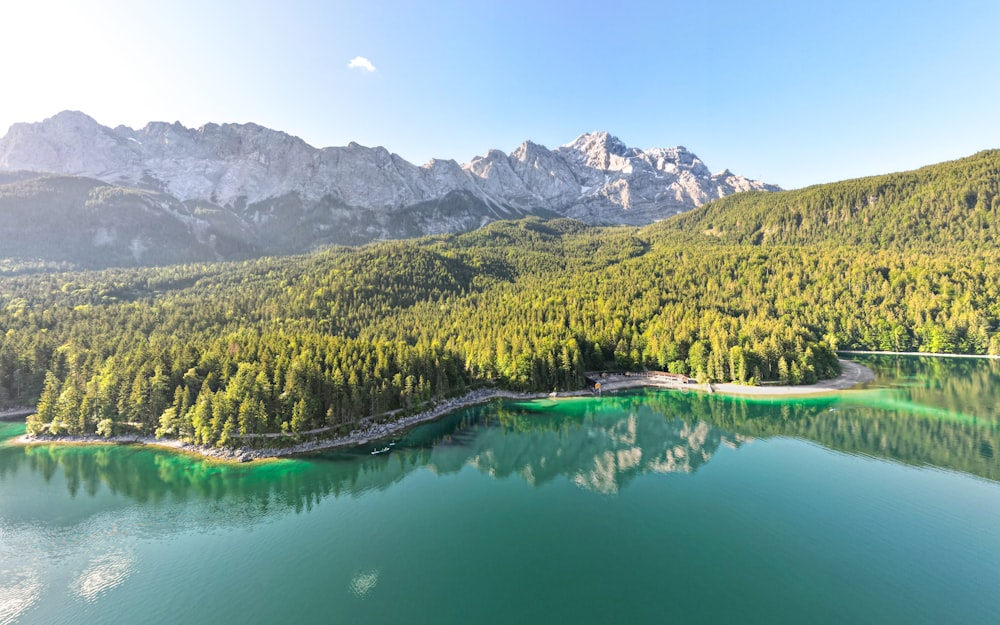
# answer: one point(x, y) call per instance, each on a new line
point(793, 93)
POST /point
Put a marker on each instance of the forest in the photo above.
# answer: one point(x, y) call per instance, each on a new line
point(747, 289)
point(952, 205)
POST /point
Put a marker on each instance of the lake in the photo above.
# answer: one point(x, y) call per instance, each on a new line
point(875, 505)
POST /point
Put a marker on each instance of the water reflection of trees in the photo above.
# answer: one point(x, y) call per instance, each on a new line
point(599, 445)
point(167, 479)
point(960, 385)
point(939, 413)
point(945, 415)
point(600, 448)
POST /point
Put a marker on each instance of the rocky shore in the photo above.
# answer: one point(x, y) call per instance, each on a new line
point(370, 429)
point(367, 432)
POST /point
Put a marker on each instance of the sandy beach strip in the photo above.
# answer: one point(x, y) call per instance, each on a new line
point(851, 374)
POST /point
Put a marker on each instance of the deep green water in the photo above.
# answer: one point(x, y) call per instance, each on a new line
point(879, 505)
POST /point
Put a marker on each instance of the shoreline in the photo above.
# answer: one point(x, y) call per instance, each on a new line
point(851, 374)
point(864, 352)
point(368, 432)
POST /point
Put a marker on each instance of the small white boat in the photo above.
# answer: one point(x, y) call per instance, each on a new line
point(380, 451)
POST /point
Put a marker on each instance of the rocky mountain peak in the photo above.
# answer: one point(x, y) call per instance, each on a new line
point(265, 177)
point(71, 118)
point(599, 142)
point(69, 142)
point(527, 151)
point(60, 125)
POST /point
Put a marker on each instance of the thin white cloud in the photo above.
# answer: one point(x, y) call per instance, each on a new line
point(360, 62)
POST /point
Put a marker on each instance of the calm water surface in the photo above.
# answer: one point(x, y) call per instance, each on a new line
point(878, 505)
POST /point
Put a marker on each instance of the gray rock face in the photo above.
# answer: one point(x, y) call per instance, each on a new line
point(352, 194)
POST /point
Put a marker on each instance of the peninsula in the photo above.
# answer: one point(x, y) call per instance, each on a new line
point(374, 429)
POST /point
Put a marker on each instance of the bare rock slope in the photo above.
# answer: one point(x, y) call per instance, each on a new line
point(259, 190)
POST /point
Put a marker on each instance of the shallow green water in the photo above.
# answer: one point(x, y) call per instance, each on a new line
point(873, 506)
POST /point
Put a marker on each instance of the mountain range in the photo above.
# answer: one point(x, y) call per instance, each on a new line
point(75, 191)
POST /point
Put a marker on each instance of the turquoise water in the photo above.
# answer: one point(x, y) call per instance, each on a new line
point(879, 505)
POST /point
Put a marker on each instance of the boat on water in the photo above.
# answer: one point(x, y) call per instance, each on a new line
point(375, 452)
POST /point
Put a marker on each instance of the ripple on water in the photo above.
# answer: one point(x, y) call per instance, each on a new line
point(19, 590)
point(104, 573)
point(363, 583)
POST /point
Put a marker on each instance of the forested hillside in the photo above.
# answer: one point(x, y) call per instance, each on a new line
point(86, 223)
point(215, 353)
point(954, 205)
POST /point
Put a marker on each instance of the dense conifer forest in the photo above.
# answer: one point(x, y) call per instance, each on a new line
point(753, 288)
point(953, 205)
